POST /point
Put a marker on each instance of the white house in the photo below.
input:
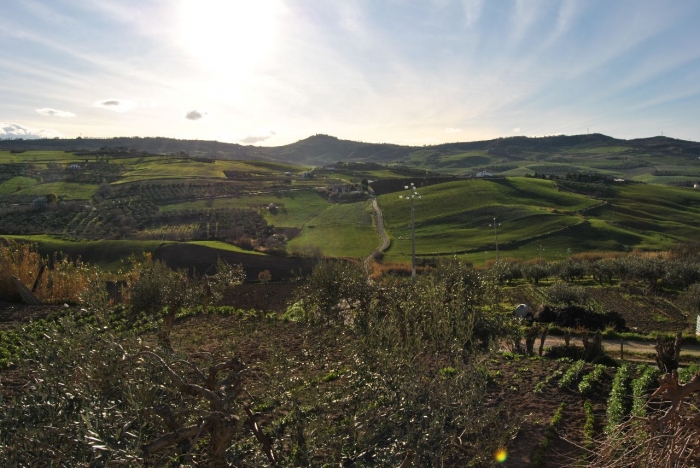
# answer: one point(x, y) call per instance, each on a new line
point(74, 167)
point(484, 174)
point(696, 186)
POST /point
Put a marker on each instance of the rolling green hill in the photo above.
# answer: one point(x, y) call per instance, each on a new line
point(535, 214)
point(657, 159)
point(127, 199)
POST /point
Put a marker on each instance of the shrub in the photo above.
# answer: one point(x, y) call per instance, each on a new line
point(691, 298)
point(336, 291)
point(566, 294)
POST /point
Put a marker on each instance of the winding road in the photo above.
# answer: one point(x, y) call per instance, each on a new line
point(382, 232)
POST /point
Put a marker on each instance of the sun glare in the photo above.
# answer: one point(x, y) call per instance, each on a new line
point(230, 35)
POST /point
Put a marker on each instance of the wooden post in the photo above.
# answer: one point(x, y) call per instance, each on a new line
point(622, 350)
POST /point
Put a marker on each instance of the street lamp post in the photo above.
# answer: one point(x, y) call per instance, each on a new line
point(413, 195)
point(495, 236)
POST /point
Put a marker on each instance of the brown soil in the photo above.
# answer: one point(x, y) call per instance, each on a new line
point(274, 297)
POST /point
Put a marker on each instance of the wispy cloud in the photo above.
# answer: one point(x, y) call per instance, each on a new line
point(452, 130)
point(516, 130)
point(257, 137)
point(116, 105)
point(9, 130)
point(48, 112)
point(194, 115)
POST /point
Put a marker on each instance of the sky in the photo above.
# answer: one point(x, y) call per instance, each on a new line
point(272, 72)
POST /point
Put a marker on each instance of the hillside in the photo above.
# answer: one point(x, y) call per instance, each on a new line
point(656, 159)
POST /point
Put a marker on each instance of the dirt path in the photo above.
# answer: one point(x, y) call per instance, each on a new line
point(382, 232)
point(632, 346)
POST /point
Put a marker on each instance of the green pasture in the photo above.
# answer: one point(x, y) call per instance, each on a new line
point(456, 217)
point(12, 185)
point(649, 178)
point(453, 198)
point(295, 207)
point(435, 239)
point(341, 230)
point(39, 157)
point(68, 190)
point(218, 245)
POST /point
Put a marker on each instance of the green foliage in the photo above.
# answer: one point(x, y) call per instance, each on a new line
point(588, 426)
point(687, 373)
point(83, 392)
point(335, 293)
point(571, 374)
point(152, 286)
point(586, 384)
point(640, 386)
point(534, 272)
point(450, 308)
point(564, 294)
point(616, 401)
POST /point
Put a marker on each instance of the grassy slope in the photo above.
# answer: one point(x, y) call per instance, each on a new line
point(455, 216)
point(10, 186)
point(295, 207)
point(342, 230)
point(534, 217)
point(68, 190)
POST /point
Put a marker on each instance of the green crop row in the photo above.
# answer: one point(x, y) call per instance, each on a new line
point(571, 374)
point(586, 384)
point(616, 401)
point(640, 385)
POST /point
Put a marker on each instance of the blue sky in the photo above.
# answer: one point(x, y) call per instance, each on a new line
point(270, 72)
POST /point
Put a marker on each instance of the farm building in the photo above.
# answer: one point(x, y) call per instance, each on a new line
point(39, 201)
point(74, 167)
point(696, 186)
point(484, 174)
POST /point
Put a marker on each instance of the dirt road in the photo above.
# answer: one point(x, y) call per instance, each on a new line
point(631, 346)
point(382, 232)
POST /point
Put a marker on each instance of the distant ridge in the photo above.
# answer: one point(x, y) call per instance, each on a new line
point(325, 149)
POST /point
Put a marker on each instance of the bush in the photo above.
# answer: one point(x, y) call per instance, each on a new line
point(691, 298)
point(566, 294)
point(337, 290)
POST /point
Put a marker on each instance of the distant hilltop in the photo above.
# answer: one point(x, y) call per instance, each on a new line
point(324, 149)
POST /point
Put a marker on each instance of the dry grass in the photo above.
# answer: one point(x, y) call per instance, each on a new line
point(595, 256)
point(63, 280)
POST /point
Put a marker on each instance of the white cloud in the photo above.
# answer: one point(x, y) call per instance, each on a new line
point(54, 113)
point(516, 129)
point(116, 105)
point(11, 131)
point(194, 115)
point(256, 137)
point(452, 130)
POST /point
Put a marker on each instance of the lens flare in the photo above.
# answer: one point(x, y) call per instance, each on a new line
point(500, 455)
